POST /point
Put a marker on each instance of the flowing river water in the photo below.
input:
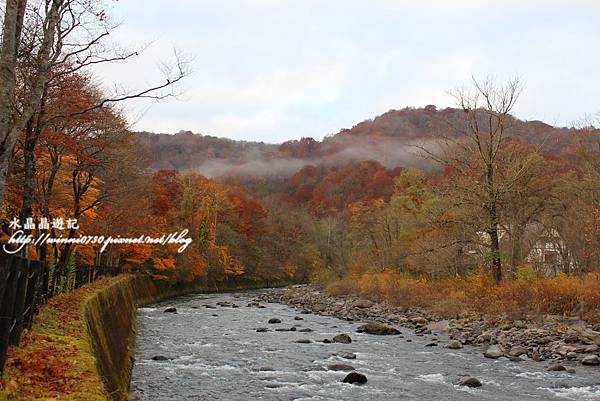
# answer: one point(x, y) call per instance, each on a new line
point(215, 353)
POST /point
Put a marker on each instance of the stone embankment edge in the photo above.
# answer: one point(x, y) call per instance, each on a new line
point(110, 317)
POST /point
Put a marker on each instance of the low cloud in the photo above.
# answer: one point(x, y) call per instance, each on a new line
point(389, 152)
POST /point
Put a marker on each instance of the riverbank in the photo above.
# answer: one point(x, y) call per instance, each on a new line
point(543, 338)
point(81, 344)
point(55, 358)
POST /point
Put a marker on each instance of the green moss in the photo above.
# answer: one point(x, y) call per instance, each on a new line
point(82, 343)
point(55, 359)
point(110, 316)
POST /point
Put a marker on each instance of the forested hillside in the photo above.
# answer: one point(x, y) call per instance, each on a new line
point(389, 139)
point(424, 192)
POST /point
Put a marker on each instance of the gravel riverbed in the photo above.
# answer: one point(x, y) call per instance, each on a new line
point(550, 338)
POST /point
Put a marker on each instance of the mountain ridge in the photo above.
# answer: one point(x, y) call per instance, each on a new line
point(387, 138)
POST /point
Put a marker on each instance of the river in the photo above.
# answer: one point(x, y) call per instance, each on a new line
point(215, 353)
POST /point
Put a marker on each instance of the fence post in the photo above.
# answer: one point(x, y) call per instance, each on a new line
point(32, 291)
point(7, 308)
point(80, 276)
point(44, 282)
point(5, 261)
point(15, 335)
point(42, 288)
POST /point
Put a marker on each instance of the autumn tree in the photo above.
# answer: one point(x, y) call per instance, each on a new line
point(472, 149)
point(12, 120)
point(289, 252)
point(53, 40)
point(410, 233)
point(574, 209)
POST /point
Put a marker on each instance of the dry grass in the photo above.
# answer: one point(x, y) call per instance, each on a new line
point(520, 297)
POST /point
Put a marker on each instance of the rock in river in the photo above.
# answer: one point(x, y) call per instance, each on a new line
point(340, 367)
point(556, 367)
point(274, 320)
point(454, 344)
point(377, 329)
point(342, 338)
point(493, 352)
point(517, 351)
point(591, 360)
point(160, 358)
point(471, 382)
point(355, 378)
point(346, 355)
point(170, 310)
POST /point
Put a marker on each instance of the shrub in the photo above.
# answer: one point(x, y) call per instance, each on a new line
point(515, 298)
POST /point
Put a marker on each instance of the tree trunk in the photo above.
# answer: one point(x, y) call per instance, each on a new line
point(9, 128)
point(32, 135)
point(11, 37)
point(495, 243)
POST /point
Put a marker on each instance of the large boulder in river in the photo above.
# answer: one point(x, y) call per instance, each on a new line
point(170, 310)
point(517, 351)
point(471, 382)
point(274, 320)
point(342, 338)
point(443, 326)
point(377, 329)
point(591, 360)
point(493, 352)
point(454, 344)
point(555, 367)
point(355, 378)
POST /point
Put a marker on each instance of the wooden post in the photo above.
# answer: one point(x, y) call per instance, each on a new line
point(5, 261)
point(7, 308)
point(19, 309)
point(35, 268)
point(44, 282)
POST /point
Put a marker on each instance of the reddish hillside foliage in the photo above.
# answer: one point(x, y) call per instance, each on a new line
point(329, 190)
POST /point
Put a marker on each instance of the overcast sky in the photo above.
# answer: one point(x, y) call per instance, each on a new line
point(272, 70)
